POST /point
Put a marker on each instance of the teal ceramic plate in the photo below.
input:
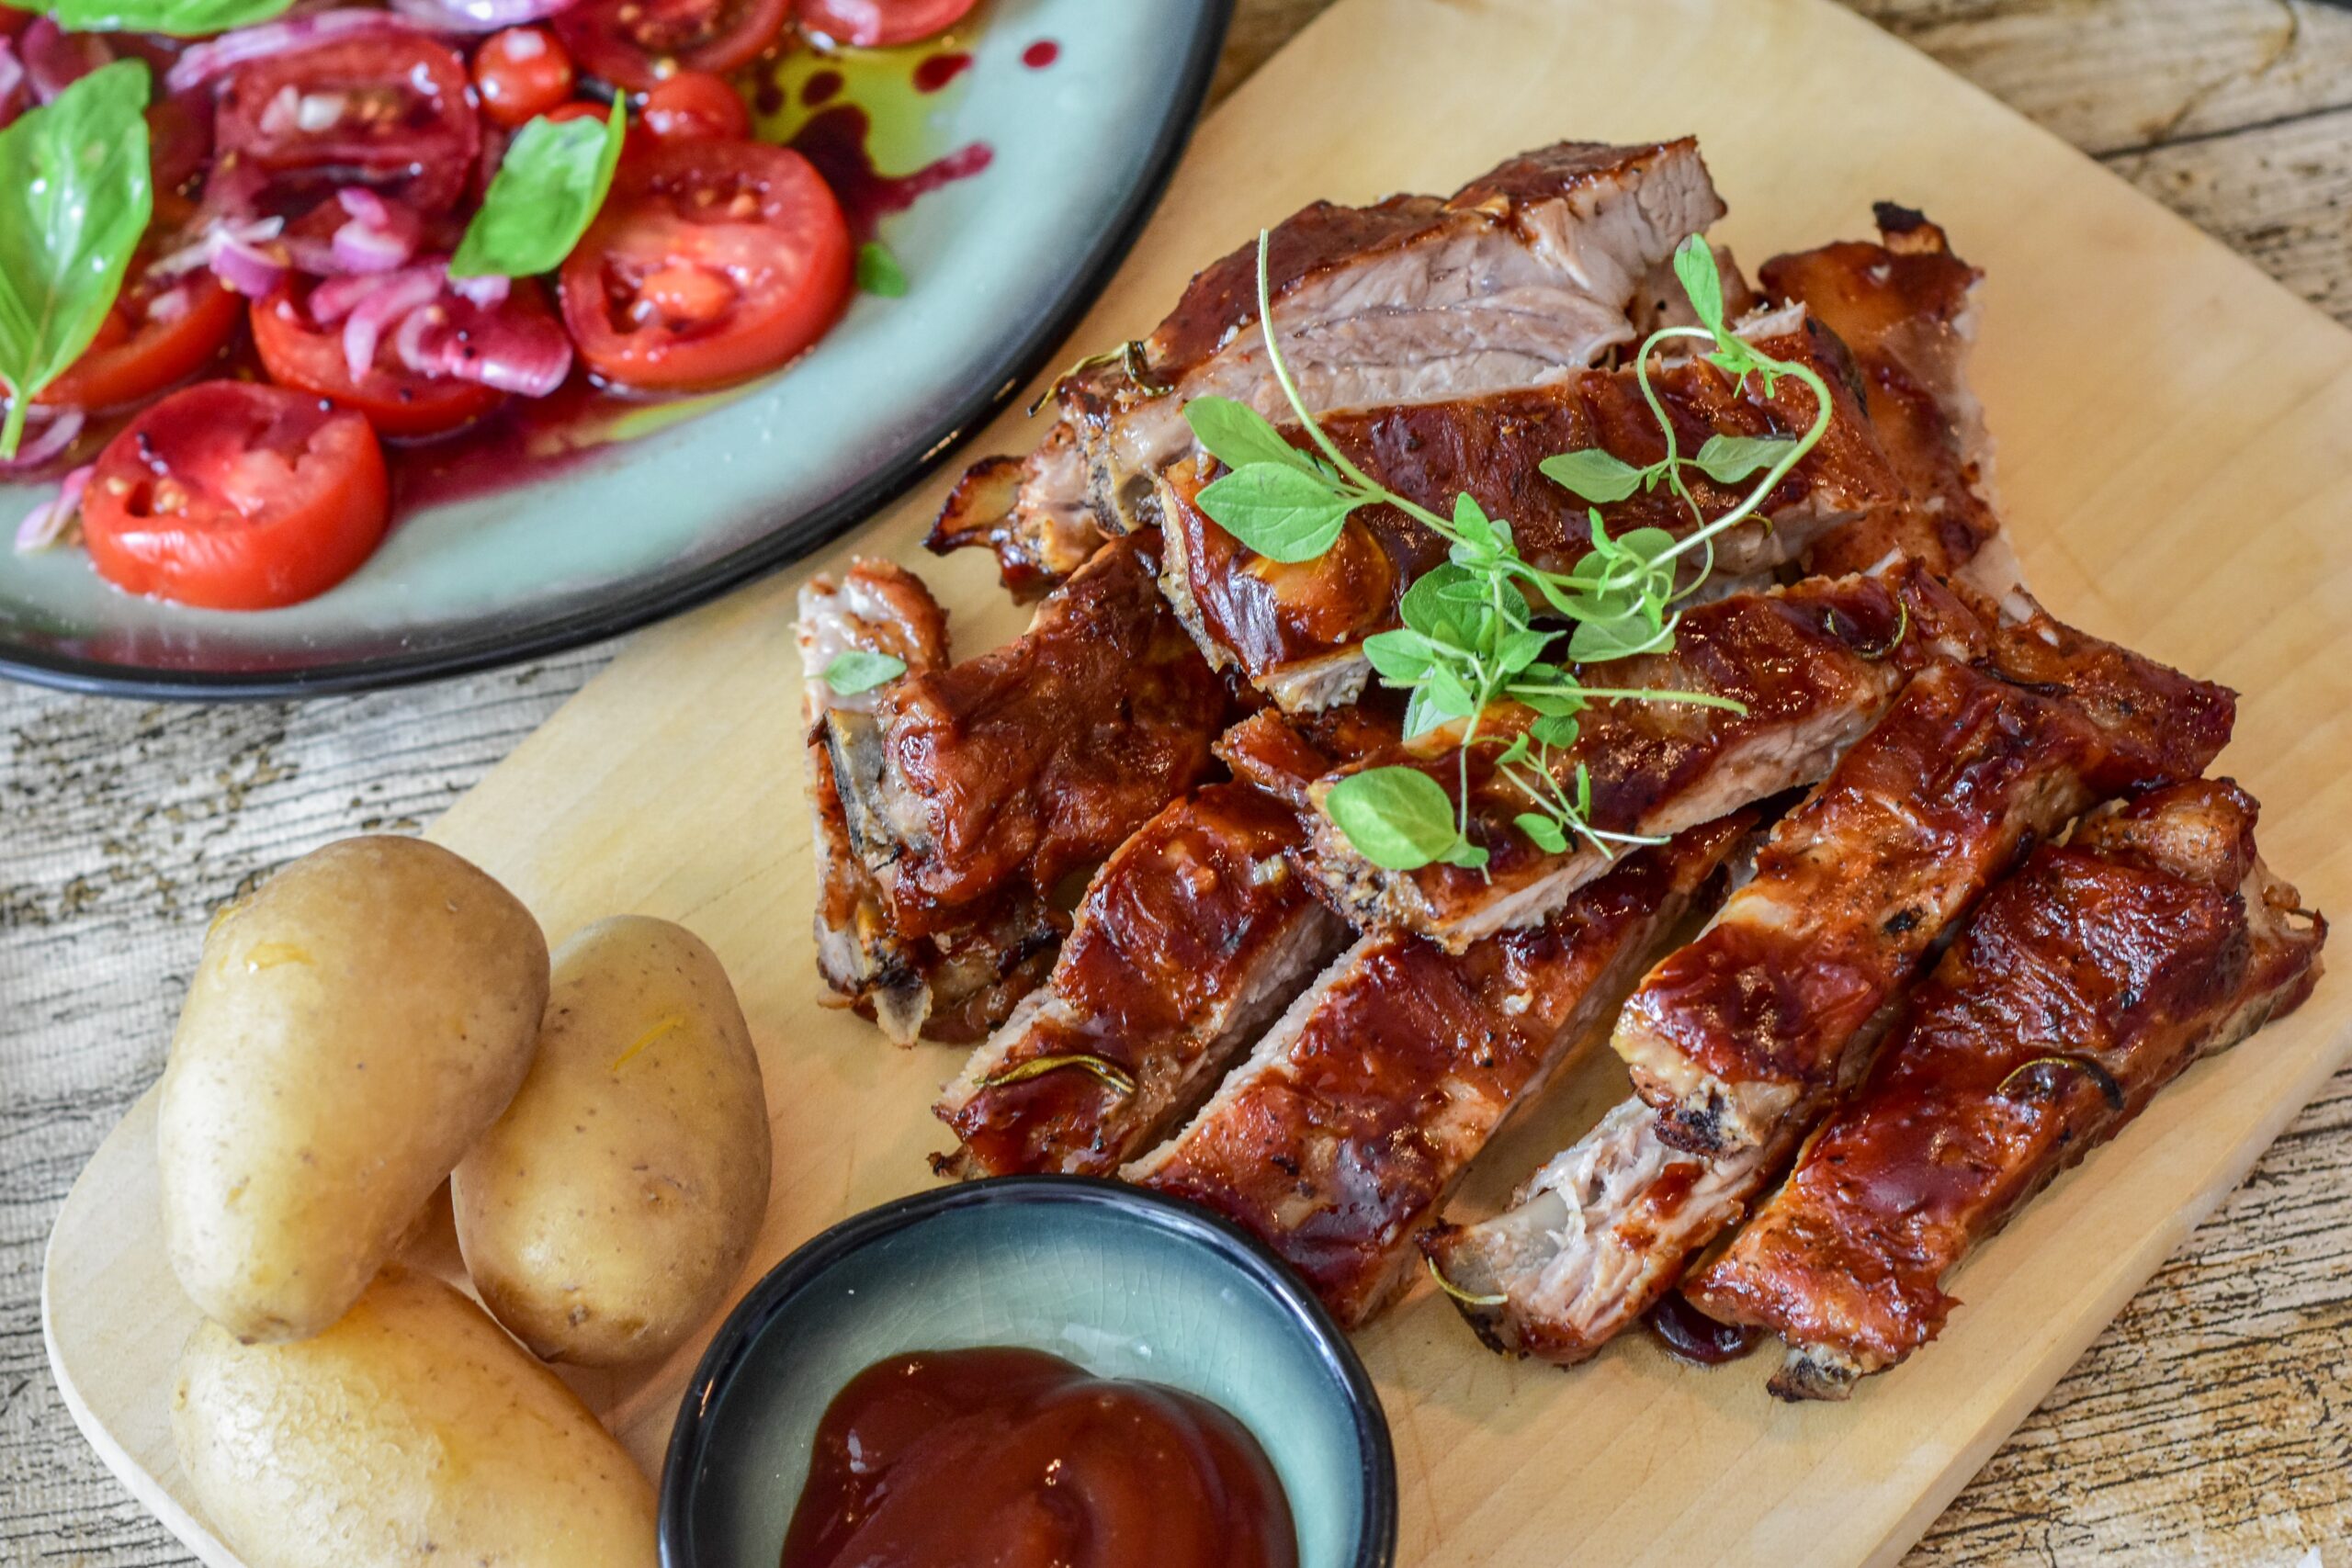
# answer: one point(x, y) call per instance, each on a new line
point(1083, 108)
point(1123, 1281)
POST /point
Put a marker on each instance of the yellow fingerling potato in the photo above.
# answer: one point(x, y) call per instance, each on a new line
point(352, 1028)
point(608, 1212)
point(412, 1433)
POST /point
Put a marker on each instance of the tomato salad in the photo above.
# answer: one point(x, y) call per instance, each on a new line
point(413, 216)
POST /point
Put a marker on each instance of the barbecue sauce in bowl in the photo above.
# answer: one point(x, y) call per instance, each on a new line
point(1020, 1458)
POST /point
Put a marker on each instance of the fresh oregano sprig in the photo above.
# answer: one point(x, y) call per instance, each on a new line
point(1468, 638)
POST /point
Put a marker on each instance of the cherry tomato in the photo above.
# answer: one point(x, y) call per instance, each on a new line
point(307, 357)
point(710, 262)
point(231, 495)
point(878, 24)
point(157, 332)
point(179, 144)
point(696, 105)
point(389, 111)
point(521, 74)
point(635, 43)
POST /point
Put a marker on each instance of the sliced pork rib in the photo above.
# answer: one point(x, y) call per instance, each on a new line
point(1357, 1113)
point(2083, 984)
point(1905, 310)
point(1032, 761)
point(1525, 275)
point(1756, 1017)
point(1190, 939)
point(952, 985)
point(1815, 664)
point(1297, 631)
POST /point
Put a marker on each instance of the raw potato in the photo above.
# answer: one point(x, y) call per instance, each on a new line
point(352, 1028)
point(412, 1434)
point(604, 1216)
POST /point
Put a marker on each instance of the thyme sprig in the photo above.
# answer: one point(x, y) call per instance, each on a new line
point(1468, 639)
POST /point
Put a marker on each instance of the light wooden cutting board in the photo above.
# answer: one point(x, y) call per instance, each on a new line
point(2175, 437)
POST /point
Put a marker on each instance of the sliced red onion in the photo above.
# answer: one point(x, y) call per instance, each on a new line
point(227, 52)
point(171, 304)
point(191, 257)
point(479, 15)
point(54, 59)
point(57, 431)
point(12, 76)
point(47, 524)
point(381, 237)
point(398, 293)
point(526, 353)
point(488, 292)
point(251, 271)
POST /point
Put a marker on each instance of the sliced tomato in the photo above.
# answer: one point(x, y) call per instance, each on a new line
point(635, 43)
point(521, 72)
point(231, 495)
point(387, 110)
point(879, 24)
point(696, 105)
point(309, 358)
point(710, 262)
point(156, 334)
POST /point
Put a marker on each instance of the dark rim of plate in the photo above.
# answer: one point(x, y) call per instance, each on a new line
point(790, 539)
point(773, 1296)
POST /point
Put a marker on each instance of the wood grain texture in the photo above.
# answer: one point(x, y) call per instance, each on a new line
point(2205, 1426)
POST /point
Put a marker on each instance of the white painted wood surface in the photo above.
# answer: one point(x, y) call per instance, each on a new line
point(2202, 1428)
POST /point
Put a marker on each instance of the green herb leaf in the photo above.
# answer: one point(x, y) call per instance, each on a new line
point(1112, 1076)
point(1284, 514)
point(1599, 641)
point(1238, 435)
point(1725, 458)
point(1593, 475)
point(1430, 607)
point(180, 19)
point(1545, 832)
point(1403, 656)
point(1694, 265)
point(1555, 730)
point(859, 670)
point(545, 195)
point(75, 197)
point(1398, 818)
point(878, 271)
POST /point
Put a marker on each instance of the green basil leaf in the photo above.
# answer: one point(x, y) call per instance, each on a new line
point(860, 669)
point(878, 271)
point(1694, 265)
point(546, 193)
point(1238, 435)
point(1403, 656)
point(1593, 475)
point(180, 19)
point(1543, 831)
point(1284, 514)
point(1725, 458)
point(75, 197)
point(1398, 818)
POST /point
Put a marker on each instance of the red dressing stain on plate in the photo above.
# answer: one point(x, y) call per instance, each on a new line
point(936, 70)
point(1042, 54)
point(835, 141)
point(821, 88)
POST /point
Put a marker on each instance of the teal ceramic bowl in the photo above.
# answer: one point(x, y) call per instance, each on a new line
point(1123, 1281)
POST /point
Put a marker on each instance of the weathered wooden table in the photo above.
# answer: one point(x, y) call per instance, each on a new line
point(2211, 1424)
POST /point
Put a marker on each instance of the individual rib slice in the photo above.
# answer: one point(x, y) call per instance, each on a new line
point(1032, 761)
point(1523, 276)
point(2083, 984)
point(1740, 1040)
point(1031, 513)
point(1354, 1117)
point(1190, 939)
point(1297, 631)
point(1815, 664)
point(1906, 309)
point(952, 985)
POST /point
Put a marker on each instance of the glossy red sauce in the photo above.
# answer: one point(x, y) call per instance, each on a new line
point(937, 70)
point(1004, 1457)
point(836, 141)
point(1042, 54)
point(1694, 1336)
point(821, 88)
